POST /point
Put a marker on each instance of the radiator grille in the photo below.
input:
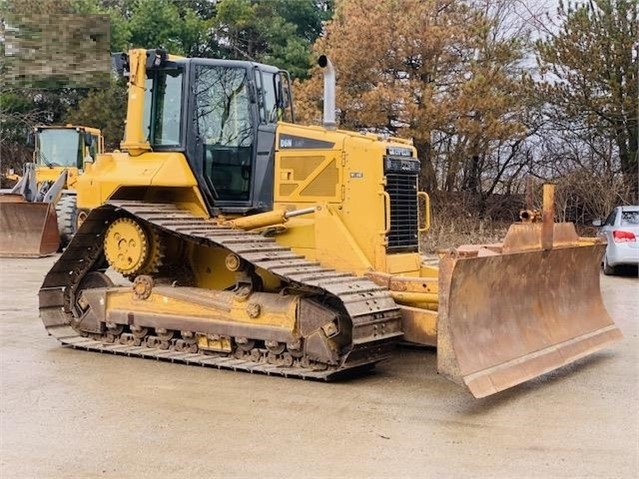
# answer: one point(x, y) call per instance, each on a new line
point(402, 189)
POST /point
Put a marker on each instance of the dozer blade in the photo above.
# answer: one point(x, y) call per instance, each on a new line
point(27, 230)
point(512, 313)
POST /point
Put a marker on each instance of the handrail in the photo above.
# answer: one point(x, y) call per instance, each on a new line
point(426, 198)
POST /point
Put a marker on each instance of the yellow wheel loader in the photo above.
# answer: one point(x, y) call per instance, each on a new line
point(252, 243)
point(40, 214)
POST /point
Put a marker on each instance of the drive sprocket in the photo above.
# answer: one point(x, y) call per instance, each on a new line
point(131, 249)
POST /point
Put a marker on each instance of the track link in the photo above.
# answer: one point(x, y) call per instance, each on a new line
point(374, 315)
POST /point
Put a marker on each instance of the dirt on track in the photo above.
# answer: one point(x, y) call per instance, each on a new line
point(69, 413)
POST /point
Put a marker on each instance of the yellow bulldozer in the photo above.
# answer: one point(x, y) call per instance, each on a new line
point(255, 244)
point(39, 214)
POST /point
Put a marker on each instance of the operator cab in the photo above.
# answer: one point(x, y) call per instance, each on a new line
point(222, 115)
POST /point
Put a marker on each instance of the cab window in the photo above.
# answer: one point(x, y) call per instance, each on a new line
point(163, 107)
point(270, 106)
point(59, 147)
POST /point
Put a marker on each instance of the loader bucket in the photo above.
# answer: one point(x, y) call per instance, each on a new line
point(510, 313)
point(27, 230)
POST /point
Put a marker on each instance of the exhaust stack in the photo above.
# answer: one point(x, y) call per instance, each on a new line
point(329, 92)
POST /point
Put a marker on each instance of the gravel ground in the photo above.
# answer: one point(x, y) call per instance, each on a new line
point(68, 413)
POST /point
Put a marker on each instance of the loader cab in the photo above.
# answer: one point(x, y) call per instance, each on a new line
point(66, 147)
point(222, 115)
point(57, 147)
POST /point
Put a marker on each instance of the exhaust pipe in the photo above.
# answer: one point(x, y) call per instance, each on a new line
point(329, 92)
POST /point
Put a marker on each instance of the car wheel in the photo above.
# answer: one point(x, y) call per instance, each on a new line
point(607, 269)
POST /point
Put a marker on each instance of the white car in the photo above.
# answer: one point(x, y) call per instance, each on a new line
point(621, 230)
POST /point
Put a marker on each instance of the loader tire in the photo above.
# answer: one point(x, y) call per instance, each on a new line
point(67, 212)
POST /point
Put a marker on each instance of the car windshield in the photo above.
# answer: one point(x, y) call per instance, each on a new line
point(630, 218)
point(59, 147)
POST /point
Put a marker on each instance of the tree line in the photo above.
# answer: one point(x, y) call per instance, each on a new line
point(492, 92)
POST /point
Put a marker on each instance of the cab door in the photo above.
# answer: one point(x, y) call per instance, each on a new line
point(225, 131)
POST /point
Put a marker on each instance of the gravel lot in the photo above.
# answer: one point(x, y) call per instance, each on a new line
point(68, 413)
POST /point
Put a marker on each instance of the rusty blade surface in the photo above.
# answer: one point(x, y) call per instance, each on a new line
point(508, 318)
point(28, 230)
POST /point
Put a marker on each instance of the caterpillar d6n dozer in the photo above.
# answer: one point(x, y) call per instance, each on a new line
point(39, 214)
point(252, 243)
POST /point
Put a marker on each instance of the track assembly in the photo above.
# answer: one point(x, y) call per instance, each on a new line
point(375, 318)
